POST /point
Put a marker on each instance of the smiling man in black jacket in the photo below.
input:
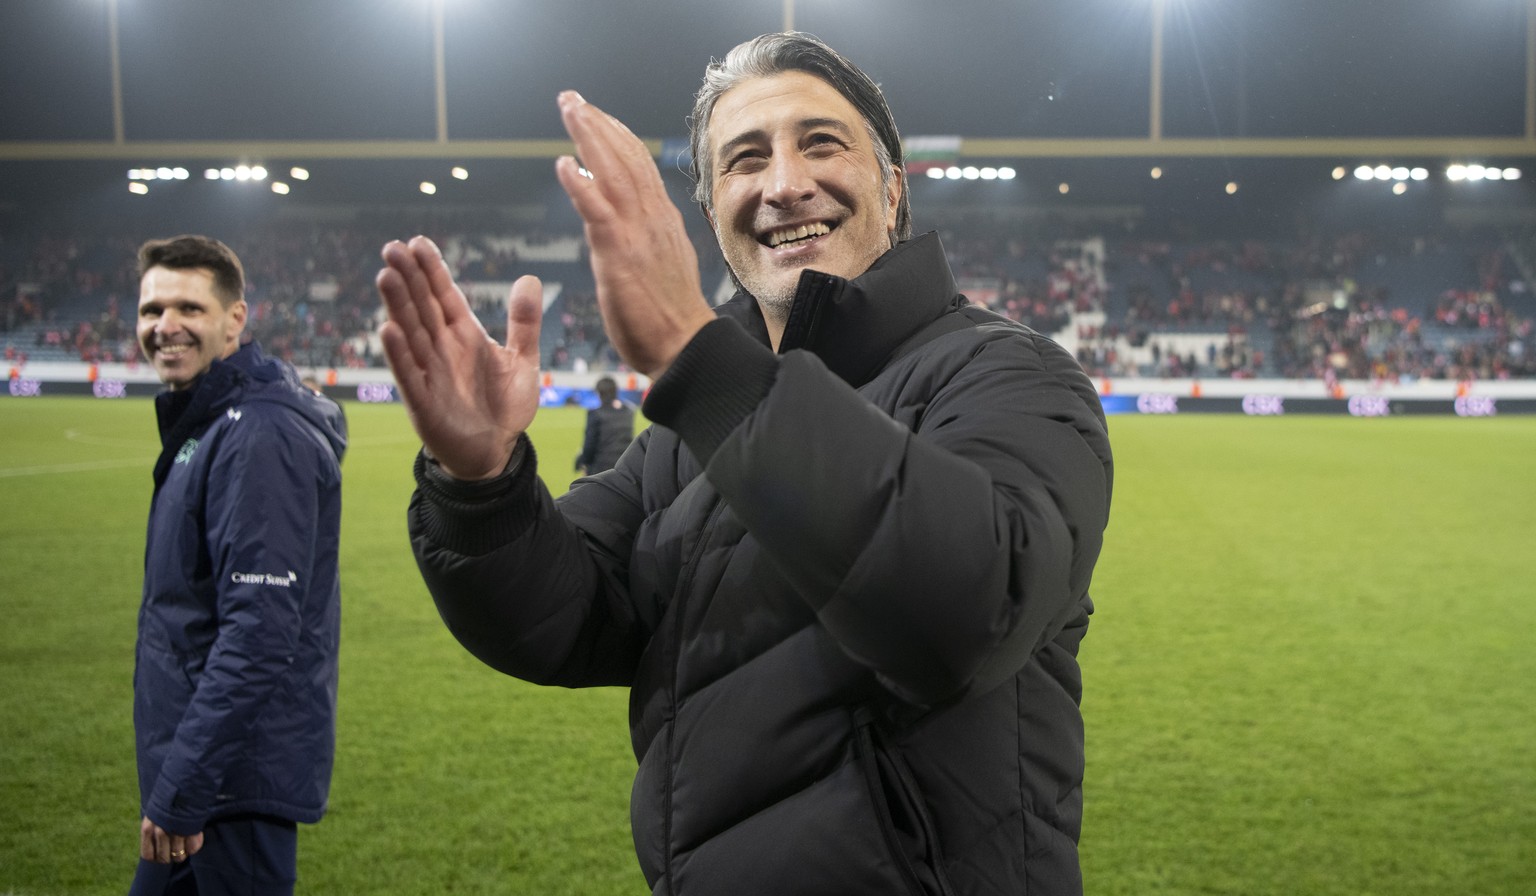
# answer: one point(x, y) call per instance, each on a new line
point(846, 573)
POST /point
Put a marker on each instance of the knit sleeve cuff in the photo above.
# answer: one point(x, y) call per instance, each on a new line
point(474, 518)
point(718, 379)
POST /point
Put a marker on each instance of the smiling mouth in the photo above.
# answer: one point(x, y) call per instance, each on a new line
point(790, 236)
point(171, 352)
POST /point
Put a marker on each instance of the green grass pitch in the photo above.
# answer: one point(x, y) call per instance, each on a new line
point(1310, 671)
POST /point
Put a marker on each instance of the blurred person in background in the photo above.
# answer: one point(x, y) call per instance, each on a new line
point(235, 677)
point(610, 429)
point(845, 574)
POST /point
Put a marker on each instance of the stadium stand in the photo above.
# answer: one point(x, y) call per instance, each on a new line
point(1453, 305)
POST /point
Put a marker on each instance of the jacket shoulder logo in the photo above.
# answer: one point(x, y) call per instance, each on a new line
point(188, 448)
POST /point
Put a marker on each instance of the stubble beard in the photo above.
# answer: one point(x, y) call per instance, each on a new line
point(775, 304)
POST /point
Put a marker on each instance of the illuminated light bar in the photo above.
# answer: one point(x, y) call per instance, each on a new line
point(428, 187)
point(298, 173)
point(162, 173)
point(955, 172)
point(1474, 172)
point(460, 173)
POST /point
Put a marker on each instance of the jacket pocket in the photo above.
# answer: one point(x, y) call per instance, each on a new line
point(904, 821)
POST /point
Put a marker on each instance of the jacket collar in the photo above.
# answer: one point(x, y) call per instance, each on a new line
point(855, 326)
point(182, 413)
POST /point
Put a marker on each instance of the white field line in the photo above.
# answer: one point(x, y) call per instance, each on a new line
point(80, 467)
point(75, 435)
point(85, 466)
point(146, 462)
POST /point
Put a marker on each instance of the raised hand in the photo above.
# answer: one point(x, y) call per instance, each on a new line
point(646, 269)
point(468, 397)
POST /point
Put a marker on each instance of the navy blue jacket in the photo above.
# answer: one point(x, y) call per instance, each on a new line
point(235, 678)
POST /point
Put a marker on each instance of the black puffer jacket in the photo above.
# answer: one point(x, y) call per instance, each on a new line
point(846, 585)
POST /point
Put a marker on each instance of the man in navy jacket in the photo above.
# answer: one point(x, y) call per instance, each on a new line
point(235, 675)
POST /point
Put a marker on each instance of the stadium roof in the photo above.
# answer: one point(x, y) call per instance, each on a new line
point(1223, 87)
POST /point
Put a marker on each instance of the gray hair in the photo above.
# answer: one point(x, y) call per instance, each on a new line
point(791, 51)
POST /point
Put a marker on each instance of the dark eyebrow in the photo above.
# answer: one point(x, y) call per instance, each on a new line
point(759, 135)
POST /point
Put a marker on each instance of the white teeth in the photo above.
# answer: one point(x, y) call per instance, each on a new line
point(780, 237)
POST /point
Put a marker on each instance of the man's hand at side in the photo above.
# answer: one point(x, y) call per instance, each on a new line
point(468, 398)
point(156, 844)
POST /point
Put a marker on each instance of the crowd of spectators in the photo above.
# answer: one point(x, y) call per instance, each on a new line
point(1308, 308)
point(1315, 308)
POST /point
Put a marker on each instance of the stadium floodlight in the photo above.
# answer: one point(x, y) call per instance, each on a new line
point(1231, 188)
point(952, 172)
point(460, 173)
point(1456, 172)
point(1476, 172)
point(1383, 172)
point(1063, 188)
point(1399, 188)
point(1364, 172)
point(1340, 172)
point(242, 172)
point(1006, 174)
point(971, 172)
point(935, 173)
point(226, 174)
point(211, 174)
point(164, 173)
point(298, 173)
point(1419, 174)
point(181, 173)
point(1511, 173)
point(279, 188)
point(1157, 173)
point(138, 187)
point(989, 174)
point(258, 173)
point(428, 187)
point(1400, 173)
